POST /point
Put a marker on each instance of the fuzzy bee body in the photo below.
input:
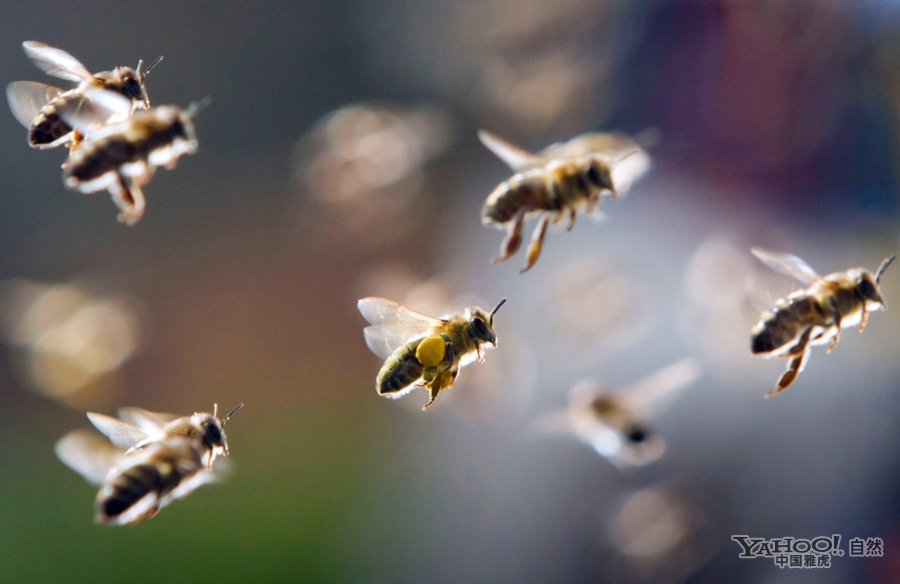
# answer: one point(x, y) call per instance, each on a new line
point(152, 460)
point(149, 479)
point(37, 106)
point(422, 351)
point(122, 157)
point(559, 183)
point(814, 315)
point(616, 422)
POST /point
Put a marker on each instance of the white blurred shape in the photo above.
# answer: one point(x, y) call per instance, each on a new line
point(652, 524)
point(69, 336)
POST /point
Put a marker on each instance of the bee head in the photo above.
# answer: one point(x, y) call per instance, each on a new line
point(213, 431)
point(599, 175)
point(867, 286)
point(635, 434)
point(481, 324)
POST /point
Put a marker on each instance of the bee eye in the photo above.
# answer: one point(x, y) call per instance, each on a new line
point(593, 174)
point(132, 88)
point(480, 328)
point(215, 435)
point(867, 289)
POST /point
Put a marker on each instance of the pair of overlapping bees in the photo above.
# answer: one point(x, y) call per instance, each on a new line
point(558, 183)
point(116, 140)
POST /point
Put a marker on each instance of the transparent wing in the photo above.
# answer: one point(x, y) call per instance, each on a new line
point(516, 158)
point(27, 99)
point(384, 339)
point(95, 110)
point(384, 311)
point(786, 264)
point(149, 422)
point(56, 62)
point(609, 143)
point(88, 454)
point(655, 391)
point(122, 435)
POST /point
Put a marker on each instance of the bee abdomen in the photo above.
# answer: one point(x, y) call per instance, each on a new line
point(47, 128)
point(782, 325)
point(401, 370)
point(520, 193)
point(96, 159)
point(127, 489)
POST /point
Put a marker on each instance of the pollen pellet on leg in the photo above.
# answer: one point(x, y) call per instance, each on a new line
point(430, 351)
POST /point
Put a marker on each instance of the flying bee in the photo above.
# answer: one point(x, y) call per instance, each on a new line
point(615, 423)
point(122, 157)
point(152, 460)
point(422, 351)
point(37, 105)
point(556, 183)
point(814, 315)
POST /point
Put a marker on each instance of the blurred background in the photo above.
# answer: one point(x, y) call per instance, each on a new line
point(339, 160)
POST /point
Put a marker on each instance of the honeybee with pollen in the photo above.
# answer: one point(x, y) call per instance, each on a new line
point(557, 183)
point(616, 422)
point(122, 157)
point(423, 351)
point(151, 459)
point(37, 105)
point(814, 315)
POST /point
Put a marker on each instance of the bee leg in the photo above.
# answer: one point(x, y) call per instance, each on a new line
point(837, 328)
point(799, 353)
point(513, 239)
point(130, 199)
point(863, 318)
point(537, 241)
point(572, 215)
point(441, 382)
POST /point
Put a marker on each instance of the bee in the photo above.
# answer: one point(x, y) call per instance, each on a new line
point(37, 105)
point(422, 351)
point(814, 315)
point(615, 423)
point(122, 157)
point(556, 183)
point(150, 460)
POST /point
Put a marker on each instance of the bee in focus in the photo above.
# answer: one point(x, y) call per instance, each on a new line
point(815, 315)
point(557, 183)
point(150, 460)
point(37, 105)
point(121, 157)
point(422, 351)
point(615, 422)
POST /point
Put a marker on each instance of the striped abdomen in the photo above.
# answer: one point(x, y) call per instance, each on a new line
point(48, 127)
point(526, 192)
point(786, 322)
point(146, 479)
point(401, 370)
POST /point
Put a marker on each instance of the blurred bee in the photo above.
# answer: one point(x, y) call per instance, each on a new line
point(37, 105)
point(615, 422)
point(122, 157)
point(557, 183)
point(422, 351)
point(815, 315)
point(153, 459)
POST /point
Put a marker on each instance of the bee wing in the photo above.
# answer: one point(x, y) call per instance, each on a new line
point(384, 339)
point(393, 324)
point(656, 390)
point(94, 110)
point(27, 99)
point(88, 454)
point(516, 158)
point(149, 422)
point(786, 264)
point(119, 433)
point(56, 62)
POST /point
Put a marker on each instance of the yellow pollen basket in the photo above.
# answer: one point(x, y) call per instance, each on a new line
point(430, 351)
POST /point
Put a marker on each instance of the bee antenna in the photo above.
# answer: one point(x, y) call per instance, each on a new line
point(496, 308)
point(236, 408)
point(149, 67)
point(884, 266)
point(215, 410)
